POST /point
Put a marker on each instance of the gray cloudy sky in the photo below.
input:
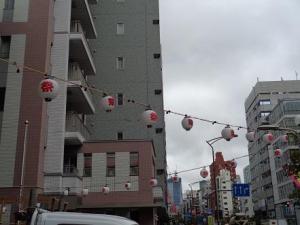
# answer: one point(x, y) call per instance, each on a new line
point(213, 52)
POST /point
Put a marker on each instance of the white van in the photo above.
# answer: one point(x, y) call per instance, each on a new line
point(43, 217)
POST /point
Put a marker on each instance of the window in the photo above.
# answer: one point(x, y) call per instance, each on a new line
point(263, 114)
point(157, 91)
point(110, 164)
point(9, 4)
point(2, 98)
point(120, 136)
point(265, 102)
point(134, 163)
point(120, 98)
point(156, 55)
point(156, 22)
point(120, 63)
point(160, 172)
point(5, 46)
point(225, 203)
point(120, 28)
point(87, 169)
point(158, 130)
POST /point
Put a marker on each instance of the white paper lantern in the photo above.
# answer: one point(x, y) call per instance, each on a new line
point(85, 191)
point(268, 138)
point(284, 138)
point(204, 173)
point(105, 190)
point(127, 185)
point(153, 182)
point(175, 178)
point(228, 133)
point(150, 117)
point(48, 89)
point(66, 192)
point(250, 136)
point(187, 123)
point(277, 153)
point(108, 103)
point(233, 163)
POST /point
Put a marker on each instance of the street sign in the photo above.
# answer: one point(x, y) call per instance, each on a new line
point(241, 190)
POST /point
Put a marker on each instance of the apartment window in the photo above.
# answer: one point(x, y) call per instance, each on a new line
point(110, 164)
point(225, 203)
point(120, 136)
point(134, 163)
point(120, 28)
point(265, 102)
point(158, 130)
point(155, 22)
point(87, 169)
point(157, 91)
point(9, 4)
point(120, 63)
point(5, 46)
point(156, 55)
point(225, 208)
point(120, 98)
point(2, 98)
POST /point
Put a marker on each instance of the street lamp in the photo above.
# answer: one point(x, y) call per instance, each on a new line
point(227, 134)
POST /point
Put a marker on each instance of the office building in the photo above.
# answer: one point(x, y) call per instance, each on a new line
point(175, 198)
point(262, 99)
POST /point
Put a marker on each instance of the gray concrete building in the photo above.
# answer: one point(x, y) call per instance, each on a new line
point(283, 115)
point(127, 56)
point(261, 101)
point(246, 202)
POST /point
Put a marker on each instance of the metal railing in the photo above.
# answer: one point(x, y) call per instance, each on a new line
point(70, 170)
point(75, 124)
point(75, 74)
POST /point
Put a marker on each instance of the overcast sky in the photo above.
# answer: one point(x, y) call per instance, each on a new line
point(213, 53)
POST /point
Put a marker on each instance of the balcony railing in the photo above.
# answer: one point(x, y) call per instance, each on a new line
point(70, 170)
point(75, 124)
point(75, 74)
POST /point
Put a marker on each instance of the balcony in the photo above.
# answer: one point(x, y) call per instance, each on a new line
point(79, 49)
point(76, 132)
point(79, 99)
point(72, 180)
point(81, 12)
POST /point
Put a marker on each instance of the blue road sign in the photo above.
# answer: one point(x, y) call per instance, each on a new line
point(241, 190)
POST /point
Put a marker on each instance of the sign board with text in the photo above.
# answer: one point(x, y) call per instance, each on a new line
point(241, 190)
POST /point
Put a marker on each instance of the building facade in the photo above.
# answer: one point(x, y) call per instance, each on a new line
point(224, 186)
point(283, 115)
point(246, 202)
point(258, 105)
point(55, 38)
point(175, 198)
point(215, 171)
point(128, 61)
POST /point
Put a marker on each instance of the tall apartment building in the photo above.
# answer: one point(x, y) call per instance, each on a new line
point(215, 171)
point(258, 105)
point(283, 115)
point(128, 61)
point(55, 37)
point(175, 198)
point(224, 185)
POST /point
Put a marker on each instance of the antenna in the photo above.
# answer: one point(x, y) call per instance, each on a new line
point(257, 79)
point(296, 75)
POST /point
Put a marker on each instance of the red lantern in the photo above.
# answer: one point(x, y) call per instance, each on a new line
point(250, 136)
point(187, 123)
point(108, 103)
point(105, 190)
point(127, 185)
point(150, 117)
point(233, 163)
point(277, 153)
point(284, 138)
point(153, 182)
point(204, 173)
point(48, 89)
point(228, 133)
point(175, 179)
point(268, 138)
